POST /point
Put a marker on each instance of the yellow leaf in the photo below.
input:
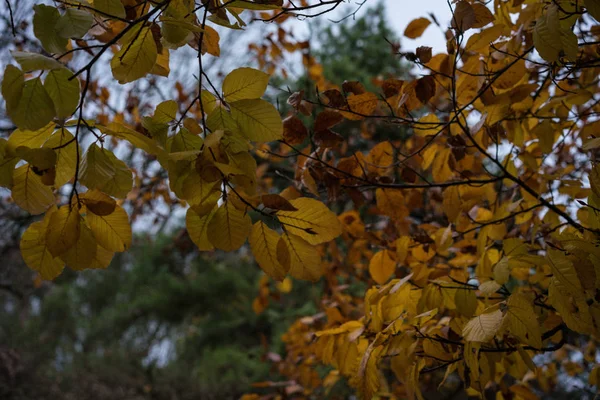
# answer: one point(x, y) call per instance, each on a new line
point(368, 376)
point(63, 230)
point(416, 27)
point(594, 378)
point(82, 254)
point(381, 158)
point(593, 7)
point(382, 266)
point(7, 165)
point(521, 321)
point(263, 242)
point(209, 101)
point(361, 106)
point(452, 203)
point(137, 140)
point(97, 167)
point(35, 250)
point(122, 182)
point(313, 221)
point(137, 55)
point(197, 227)
point(489, 288)
point(112, 231)
point(41, 159)
point(244, 83)
point(429, 125)
point(27, 138)
point(391, 203)
point(562, 268)
point(197, 191)
point(66, 155)
point(162, 68)
point(303, 259)
point(483, 327)
point(502, 271)
point(524, 354)
point(441, 166)
point(572, 307)
point(29, 192)
point(110, 8)
point(257, 120)
point(466, 302)
point(402, 248)
point(552, 40)
point(229, 227)
point(102, 259)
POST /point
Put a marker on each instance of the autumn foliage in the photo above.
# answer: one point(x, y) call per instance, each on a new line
point(472, 224)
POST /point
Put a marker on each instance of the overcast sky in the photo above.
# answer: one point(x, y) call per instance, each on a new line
point(401, 12)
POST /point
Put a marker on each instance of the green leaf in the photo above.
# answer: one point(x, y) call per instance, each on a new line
point(248, 5)
point(74, 23)
point(44, 28)
point(257, 119)
point(219, 118)
point(110, 8)
point(165, 112)
point(12, 87)
point(34, 62)
point(63, 92)
point(35, 108)
point(245, 83)
point(7, 164)
point(137, 56)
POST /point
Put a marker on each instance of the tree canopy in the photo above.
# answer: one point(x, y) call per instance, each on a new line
point(459, 249)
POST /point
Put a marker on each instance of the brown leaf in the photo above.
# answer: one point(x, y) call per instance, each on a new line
point(354, 87)
point(424, 54)
point(156, 35)
point(464, 16)
point(326, 119)
point(483, 15)
point(294, 131)
point(391, 87)
point(305, 107)
point(334, 98)
point(277, 202)
point(327, 138)
point(295, 99)
point(425, 88)
point(416, 27)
